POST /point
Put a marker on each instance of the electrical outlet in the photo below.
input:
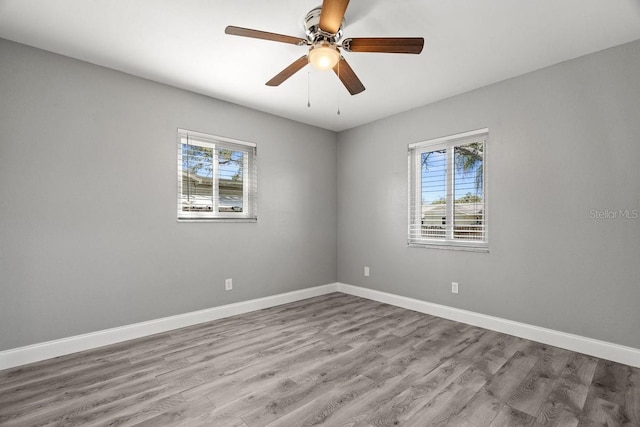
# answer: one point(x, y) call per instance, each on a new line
point(366, 271)
point(228, 284)
point(454, 287)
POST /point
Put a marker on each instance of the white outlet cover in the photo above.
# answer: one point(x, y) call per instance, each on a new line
point(366, 271)
point(454, 287)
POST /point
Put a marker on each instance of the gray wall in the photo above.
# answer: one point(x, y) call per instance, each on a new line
point(88, 231)
point(89, 240)
point(564, 141)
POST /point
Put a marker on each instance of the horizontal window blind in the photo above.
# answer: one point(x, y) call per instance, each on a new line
point(447, 194)
point(217, 178)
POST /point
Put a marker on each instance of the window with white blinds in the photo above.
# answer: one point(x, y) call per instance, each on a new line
point(217, 178)
point(447, 192)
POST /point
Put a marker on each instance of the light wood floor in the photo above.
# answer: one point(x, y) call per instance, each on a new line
point(335, 360)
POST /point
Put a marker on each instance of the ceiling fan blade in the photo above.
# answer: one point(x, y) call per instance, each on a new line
point(384, 44)
point(283, 75)
point(256, 34)
point(348, 77)
point(332, 15)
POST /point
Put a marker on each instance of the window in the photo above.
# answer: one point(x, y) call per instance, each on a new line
point(216, 178)
point(447, 194)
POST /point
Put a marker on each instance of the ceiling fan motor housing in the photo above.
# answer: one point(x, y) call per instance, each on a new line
point(313, 31)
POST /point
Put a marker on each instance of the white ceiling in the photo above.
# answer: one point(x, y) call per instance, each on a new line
point(468, 44)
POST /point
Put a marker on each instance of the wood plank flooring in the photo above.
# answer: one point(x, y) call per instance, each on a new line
point(335, 360)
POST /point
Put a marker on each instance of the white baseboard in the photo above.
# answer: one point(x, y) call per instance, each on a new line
point(602, 349)
point(47, 350)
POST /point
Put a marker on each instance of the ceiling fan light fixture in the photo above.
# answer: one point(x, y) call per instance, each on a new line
point(324, 56)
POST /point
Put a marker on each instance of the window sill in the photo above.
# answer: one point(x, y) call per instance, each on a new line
point(458, 247)
point(217, 220)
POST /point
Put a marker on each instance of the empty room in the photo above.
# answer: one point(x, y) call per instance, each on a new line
point(290, 213)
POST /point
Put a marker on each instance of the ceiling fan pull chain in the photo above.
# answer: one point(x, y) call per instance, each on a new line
point(308, 89)
point(338, 86)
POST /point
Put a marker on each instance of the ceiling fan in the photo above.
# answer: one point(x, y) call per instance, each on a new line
point(323, 27)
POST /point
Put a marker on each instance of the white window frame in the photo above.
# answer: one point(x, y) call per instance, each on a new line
point(249, 188)
point(448, 143)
